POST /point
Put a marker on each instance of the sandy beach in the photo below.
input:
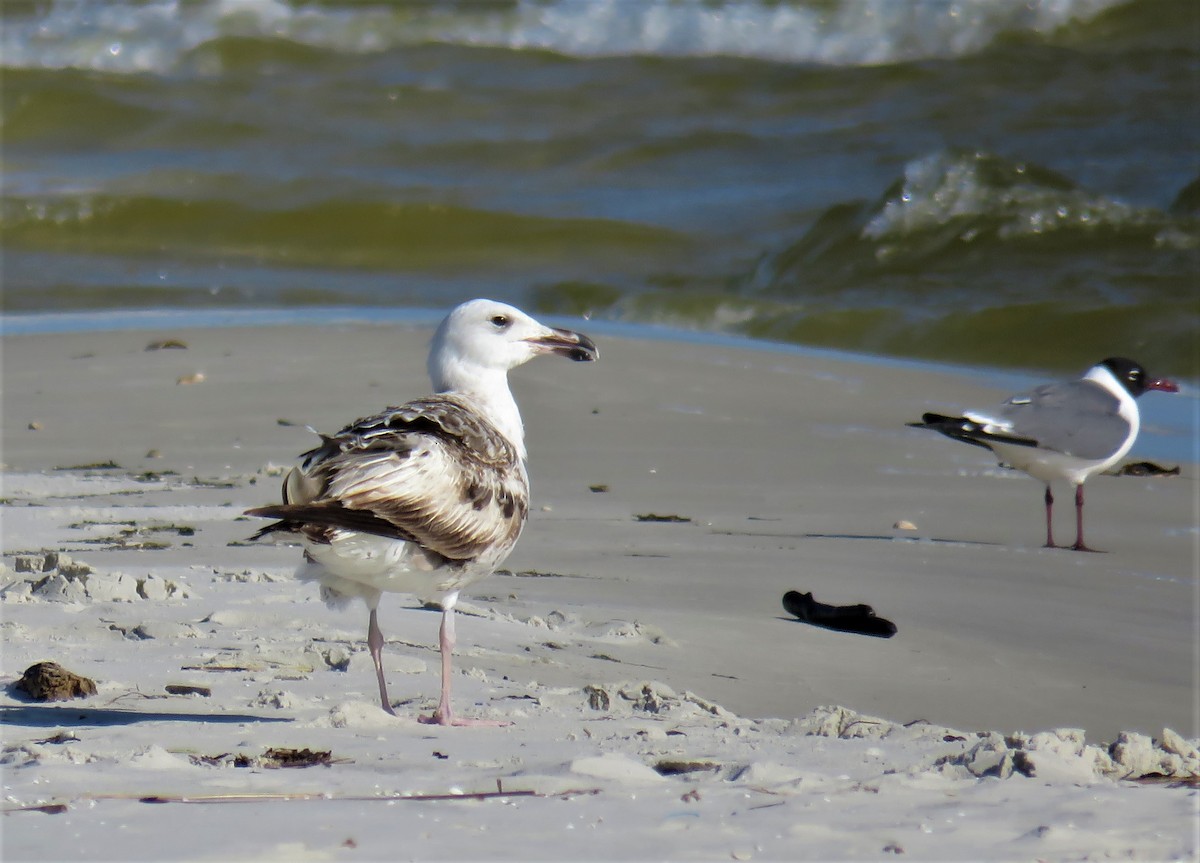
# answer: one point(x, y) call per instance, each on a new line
point(1034, 704)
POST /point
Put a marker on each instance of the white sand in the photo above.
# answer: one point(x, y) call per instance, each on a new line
point(615, 641)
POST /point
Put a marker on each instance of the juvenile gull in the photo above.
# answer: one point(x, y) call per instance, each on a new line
point(1061, 431)
point(428, 497)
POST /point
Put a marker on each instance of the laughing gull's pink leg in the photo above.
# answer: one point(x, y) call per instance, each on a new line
point(1049, 511)
point(1079, 543)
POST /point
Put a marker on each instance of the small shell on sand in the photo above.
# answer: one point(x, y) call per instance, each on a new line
point(904, 524)
point(196, 378)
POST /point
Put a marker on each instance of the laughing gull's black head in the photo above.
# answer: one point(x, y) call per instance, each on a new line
point(1134, 378)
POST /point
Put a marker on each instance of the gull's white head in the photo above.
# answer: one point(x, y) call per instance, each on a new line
point(481, 340)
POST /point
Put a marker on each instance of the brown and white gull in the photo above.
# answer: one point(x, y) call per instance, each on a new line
point(431, 496)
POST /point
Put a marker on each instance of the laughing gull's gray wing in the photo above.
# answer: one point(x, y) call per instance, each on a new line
point(1077, 418)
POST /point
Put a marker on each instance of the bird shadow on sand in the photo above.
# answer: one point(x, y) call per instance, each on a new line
point(894, 538)
point(65, 715)
point(889, 537)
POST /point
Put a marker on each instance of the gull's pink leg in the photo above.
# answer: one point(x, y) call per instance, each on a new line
point(375, 645)
point(444, 715)
point(1079, 543)
point(1049, 511)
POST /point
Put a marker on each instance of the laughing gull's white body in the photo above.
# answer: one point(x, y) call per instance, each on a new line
point(431, 496)
point(1061, 431)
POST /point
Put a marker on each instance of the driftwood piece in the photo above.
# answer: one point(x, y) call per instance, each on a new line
point(859, 619)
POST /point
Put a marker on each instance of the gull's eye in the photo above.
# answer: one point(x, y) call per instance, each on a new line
point(500, 322)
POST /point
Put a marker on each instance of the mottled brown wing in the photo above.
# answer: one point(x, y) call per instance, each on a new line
point(432, 471)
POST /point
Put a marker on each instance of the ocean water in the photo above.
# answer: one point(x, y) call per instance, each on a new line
point(1007, 183)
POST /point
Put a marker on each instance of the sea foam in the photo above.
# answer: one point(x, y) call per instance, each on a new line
point(158, 36)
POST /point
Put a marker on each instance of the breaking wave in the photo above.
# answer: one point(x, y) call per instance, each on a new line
point(160, 36)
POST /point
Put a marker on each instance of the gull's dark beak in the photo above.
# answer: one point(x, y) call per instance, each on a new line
point(1162, 385)
point(565, 343)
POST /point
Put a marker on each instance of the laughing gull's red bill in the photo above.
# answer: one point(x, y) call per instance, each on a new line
point(1069, 431)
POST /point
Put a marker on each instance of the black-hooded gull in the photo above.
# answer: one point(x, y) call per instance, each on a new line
point(1069, 431)
point(428, 497)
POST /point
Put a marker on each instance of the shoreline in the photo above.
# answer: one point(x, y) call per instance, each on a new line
point(1170, 429)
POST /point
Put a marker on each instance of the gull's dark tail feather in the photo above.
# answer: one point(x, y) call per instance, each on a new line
point(276, 527)
point(967, 431)
point(314, 520)
point(958, 428)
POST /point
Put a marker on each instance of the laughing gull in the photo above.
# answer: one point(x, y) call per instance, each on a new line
point(1061, 431)
point(428, 497)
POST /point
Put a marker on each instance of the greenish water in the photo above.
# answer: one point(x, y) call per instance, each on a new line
point(1005, 184)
